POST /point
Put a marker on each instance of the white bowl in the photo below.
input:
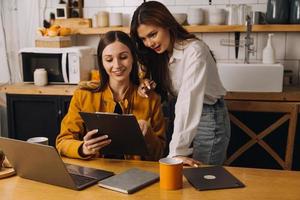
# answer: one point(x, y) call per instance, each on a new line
point(180, 17)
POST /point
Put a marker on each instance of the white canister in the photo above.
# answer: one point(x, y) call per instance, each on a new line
point(115, 19)
point(40, 77)
point(195, 16)
point(216, 16)
point(102, 19)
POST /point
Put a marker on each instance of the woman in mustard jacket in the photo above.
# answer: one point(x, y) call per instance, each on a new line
point(116, 93)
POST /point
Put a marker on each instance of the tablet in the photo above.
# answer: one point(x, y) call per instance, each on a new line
point(211, 178)
point(123, 130)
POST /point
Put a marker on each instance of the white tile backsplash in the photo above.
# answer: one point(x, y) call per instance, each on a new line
point(292, 46)
point(216, 2)
point(191, 2)
point(104, 3)
point(213, 41)
point(132, 2)
point(91, 3)
point(167, 2)
point(243, 1)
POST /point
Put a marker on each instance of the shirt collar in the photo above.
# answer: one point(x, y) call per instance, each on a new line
point(177, 52)
point(127, 96)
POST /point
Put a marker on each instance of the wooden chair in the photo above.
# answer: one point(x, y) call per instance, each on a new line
point(290, 113)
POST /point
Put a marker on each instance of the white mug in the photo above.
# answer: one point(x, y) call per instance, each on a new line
point(195, 16)
point(39, 140)
point(115, 19)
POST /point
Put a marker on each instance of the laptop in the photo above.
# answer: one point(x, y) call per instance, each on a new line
point(123, 130)
point(43, 163)
point(211, 178)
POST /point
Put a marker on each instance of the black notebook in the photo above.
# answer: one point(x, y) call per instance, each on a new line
point(129, 181)
point(211, 178)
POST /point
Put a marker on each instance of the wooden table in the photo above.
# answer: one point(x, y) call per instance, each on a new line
point(260, 185)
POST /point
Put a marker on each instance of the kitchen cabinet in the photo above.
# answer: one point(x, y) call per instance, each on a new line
point(265, 129)
point(35, 115)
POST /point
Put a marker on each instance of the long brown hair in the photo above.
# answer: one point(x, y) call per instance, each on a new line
point(155, 13)
point(107, 39)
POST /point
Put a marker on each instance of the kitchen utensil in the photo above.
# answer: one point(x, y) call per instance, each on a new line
point(237, 43)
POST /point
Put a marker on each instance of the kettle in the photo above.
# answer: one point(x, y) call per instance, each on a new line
point(295, 12)
point(278, 11)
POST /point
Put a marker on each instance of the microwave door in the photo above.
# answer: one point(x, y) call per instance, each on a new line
point(51, 62)
point(64, 67)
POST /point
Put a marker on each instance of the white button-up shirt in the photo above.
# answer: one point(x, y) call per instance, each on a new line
point(195, 81)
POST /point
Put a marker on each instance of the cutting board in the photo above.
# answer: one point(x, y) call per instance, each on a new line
point(6, 172)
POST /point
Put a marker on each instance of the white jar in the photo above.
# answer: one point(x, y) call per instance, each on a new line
point(216, 16)
point(195, 16)
point(40, 77)
point(115, 19)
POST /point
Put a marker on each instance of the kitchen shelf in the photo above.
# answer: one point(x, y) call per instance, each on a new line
point(202, 29)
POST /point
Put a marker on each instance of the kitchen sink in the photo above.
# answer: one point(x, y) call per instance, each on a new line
point(255, 77)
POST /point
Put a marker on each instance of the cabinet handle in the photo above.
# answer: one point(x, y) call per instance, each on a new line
point(59, 112)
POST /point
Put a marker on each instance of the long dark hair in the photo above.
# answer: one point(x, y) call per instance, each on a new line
point(107, 39)
point(155, 13)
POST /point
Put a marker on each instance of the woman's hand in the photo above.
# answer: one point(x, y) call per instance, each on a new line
point(92, 144)
point(144, 126)
point(189, 161)
point(145, 86)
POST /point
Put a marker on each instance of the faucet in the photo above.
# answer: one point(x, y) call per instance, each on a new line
point(248, 40)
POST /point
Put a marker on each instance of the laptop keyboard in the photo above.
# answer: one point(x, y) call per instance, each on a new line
point(81, 180)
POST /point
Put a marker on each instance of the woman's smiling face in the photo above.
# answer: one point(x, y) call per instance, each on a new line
point(117, 61)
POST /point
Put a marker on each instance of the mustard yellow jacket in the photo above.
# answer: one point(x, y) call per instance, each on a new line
point(72, 126)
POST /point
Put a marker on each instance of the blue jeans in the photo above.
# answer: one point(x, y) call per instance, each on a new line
point(213, 134)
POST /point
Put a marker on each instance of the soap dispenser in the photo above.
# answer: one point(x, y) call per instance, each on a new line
point(269, 52)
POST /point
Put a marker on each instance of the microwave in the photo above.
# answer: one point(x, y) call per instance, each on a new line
point(63, 65)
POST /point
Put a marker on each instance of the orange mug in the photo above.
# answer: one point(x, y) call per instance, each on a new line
point(170, 171)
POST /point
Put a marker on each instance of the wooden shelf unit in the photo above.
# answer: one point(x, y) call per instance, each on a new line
point(202, 29)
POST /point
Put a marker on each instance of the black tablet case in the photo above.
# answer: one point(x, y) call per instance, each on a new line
point(223, 179)
point(123, 130)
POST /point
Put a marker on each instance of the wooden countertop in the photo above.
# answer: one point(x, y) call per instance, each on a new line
point(31, 89)
point(260, 184)
point(290, 94)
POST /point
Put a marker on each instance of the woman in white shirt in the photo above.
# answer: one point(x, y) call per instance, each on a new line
point(182, 66)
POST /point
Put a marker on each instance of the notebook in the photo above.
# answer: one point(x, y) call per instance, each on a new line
point(129, 181)
point(211, 178)
point(42, 163)
point(123, 130)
